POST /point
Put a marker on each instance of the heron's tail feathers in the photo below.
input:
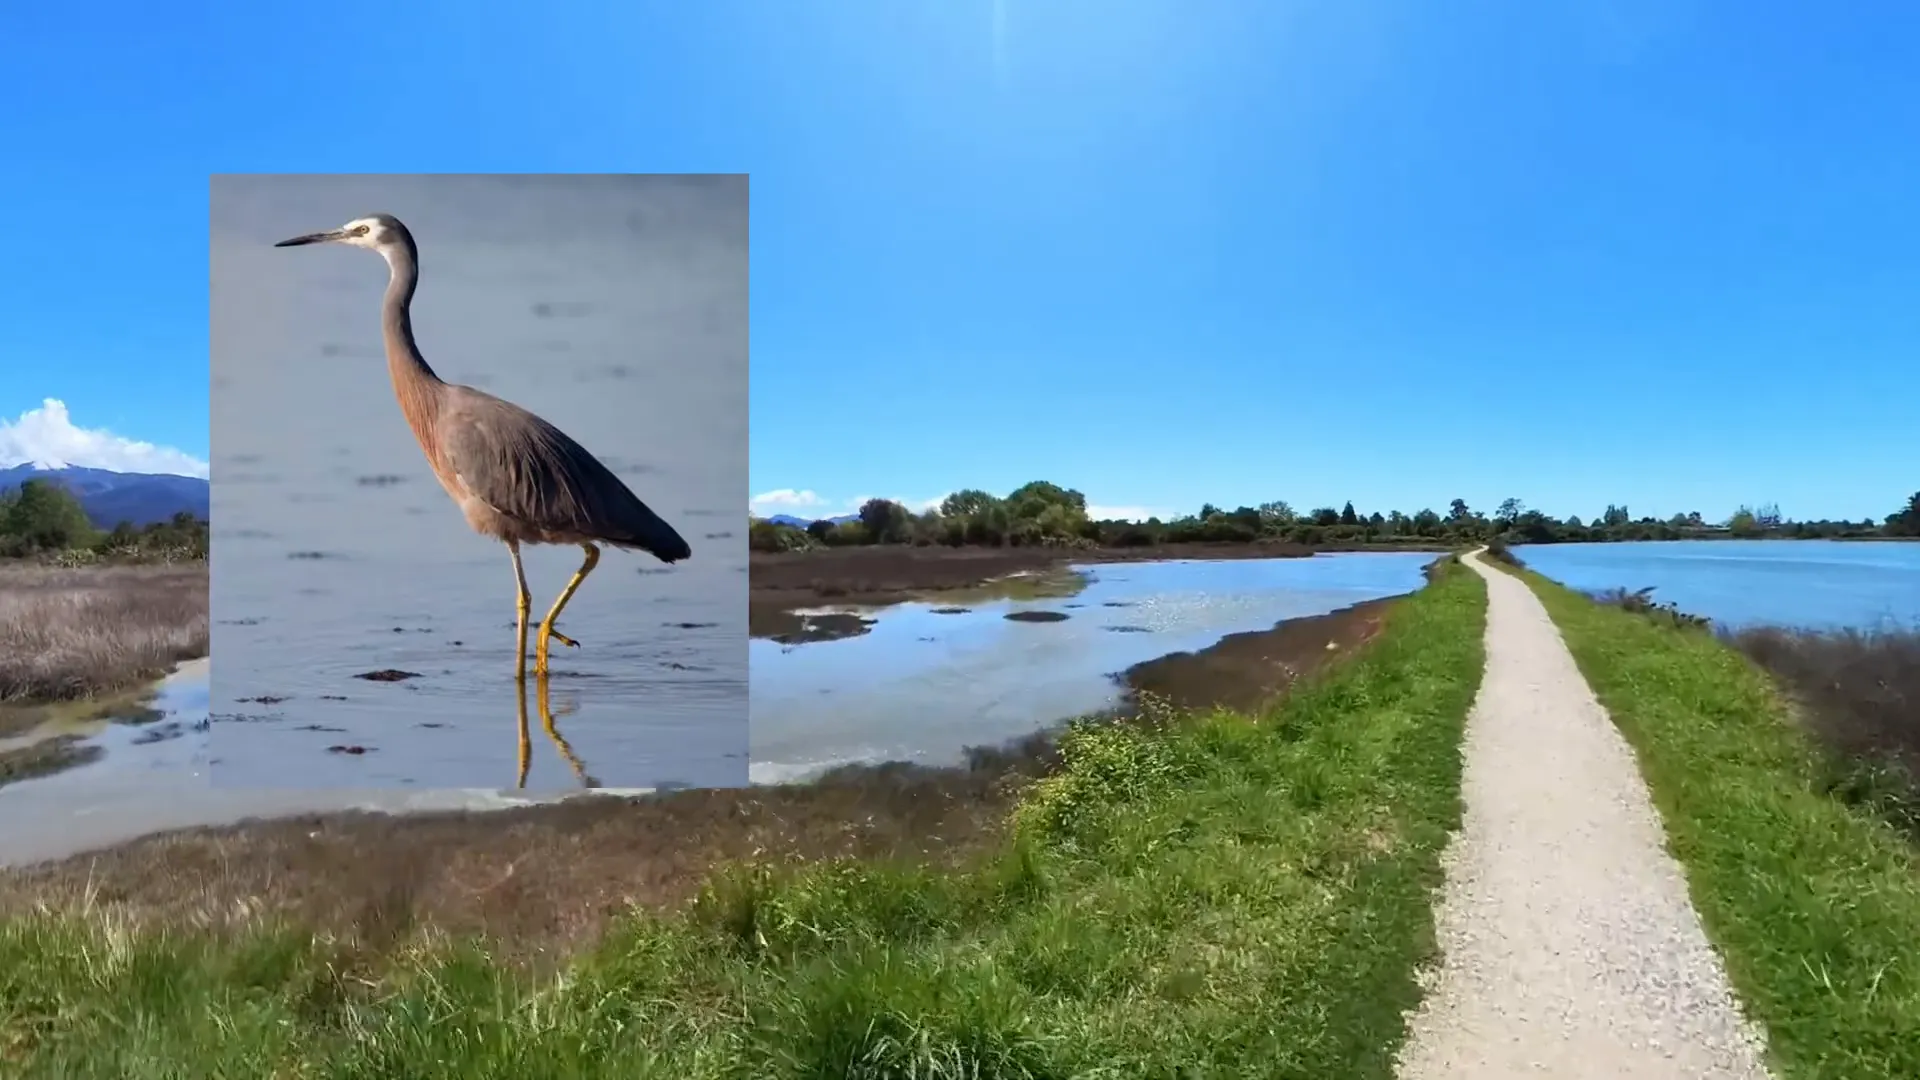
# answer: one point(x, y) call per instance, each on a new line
point(644, 530)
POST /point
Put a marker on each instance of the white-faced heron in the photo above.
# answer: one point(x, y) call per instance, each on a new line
point(516, 477)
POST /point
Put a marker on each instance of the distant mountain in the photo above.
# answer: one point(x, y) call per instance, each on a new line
point(801, 523)
point(112, 497)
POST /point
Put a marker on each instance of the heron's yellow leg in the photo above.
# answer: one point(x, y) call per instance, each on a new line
point(523, 603)
point(526, 744)
point(553, 732)
point(566, 594)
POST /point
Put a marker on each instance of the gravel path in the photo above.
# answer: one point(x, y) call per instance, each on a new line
point(1570, 947)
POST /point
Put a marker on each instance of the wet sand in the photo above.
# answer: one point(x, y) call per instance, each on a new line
point(544, 878)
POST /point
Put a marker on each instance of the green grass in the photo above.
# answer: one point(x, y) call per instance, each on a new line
point(1814, 905)
point(1224, 896)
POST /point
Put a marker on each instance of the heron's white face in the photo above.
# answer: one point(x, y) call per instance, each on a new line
point(366, 233)
point(377, 233)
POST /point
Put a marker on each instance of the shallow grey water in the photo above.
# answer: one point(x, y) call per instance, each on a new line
point(153, 777)
point(616, 307)
point(923, 685)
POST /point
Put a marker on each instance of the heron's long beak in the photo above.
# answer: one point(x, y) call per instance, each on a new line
point(313, 238)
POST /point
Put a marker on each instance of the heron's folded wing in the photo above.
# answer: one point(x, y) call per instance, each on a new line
point(533, 472)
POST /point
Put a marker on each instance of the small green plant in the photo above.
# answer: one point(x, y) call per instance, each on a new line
point(1105, 765)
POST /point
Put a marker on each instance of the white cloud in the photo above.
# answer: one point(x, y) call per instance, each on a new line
point(782, 500)
point(46, 436)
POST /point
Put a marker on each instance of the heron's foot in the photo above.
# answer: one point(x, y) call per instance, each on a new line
point(563, 639)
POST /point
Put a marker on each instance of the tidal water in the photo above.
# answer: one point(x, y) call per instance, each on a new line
point(152, 776)
point(1822, 584)
point(616, 308)
point(150, 758)
point(925, 681)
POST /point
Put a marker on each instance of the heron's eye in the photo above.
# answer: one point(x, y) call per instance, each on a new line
point(360, 230)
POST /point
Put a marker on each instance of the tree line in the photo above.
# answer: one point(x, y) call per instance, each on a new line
point(1045, 514)
point(42, 518)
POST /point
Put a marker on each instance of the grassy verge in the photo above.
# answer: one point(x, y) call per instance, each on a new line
point(69, 633)
point(1814, 904)
point(1219, 895)
point(1858, 693)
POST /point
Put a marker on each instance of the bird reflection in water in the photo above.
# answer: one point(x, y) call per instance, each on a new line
point(543, 700)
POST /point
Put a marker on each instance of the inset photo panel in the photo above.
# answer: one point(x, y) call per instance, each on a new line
point(103, 552)
point(479, 445)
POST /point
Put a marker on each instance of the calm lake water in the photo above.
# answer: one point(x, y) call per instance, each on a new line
point(1812, 583)
point(616, 307)
point(922, 685)
point(153, 776)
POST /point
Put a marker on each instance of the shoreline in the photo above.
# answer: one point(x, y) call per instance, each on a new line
point(782, 583)
point(23, 757)
point(560, 870)
point(883, 574)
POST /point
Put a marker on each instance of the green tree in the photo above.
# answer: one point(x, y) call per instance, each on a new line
point(970, 503)
point(849, 534)
point(123, 537)
point(1347, 516)
point(772, 536)
point(1029, 500)
point(886, 521)
point(1040, 510)
point(1276, 514)
point(1906, 520)
point(46, 517)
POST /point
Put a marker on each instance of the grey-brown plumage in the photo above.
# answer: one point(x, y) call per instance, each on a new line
point(514, 476)
point(531, 482)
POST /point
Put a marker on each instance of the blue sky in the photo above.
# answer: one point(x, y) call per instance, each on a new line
point(1657, 252)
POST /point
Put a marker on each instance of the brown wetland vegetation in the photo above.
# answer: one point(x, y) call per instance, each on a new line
point(69, 633)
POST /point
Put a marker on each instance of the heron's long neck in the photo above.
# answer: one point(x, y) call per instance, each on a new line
point(414, 383)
